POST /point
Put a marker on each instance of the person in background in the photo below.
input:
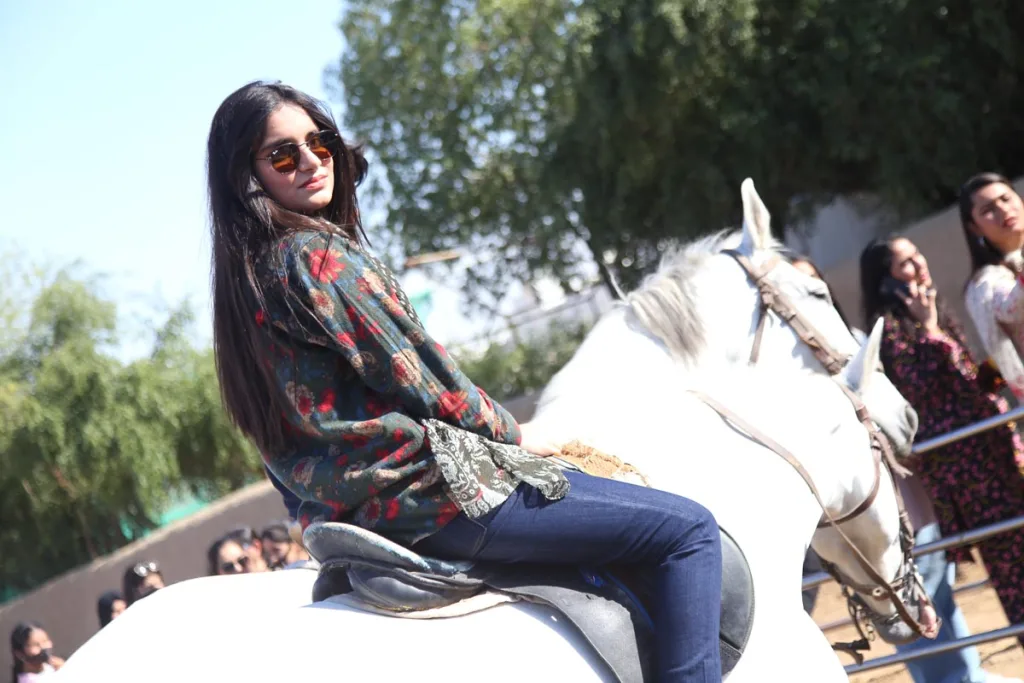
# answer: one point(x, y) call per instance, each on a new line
point(32, 652)
point(252, 544)
point(140, 580)
point(973, 482)
point(279, 549)
point(110, 606)
point(992, 218)
point(226, 556)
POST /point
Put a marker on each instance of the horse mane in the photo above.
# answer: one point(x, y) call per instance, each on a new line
point(665, 304)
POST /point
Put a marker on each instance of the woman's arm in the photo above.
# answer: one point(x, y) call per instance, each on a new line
point(1004, 296)
point(339, 300)
point(993, 300)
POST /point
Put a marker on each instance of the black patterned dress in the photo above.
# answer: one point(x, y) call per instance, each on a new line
point(976, 481)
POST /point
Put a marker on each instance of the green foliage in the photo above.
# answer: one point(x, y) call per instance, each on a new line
point(92, 447)
point(530, 131)
point(520, 366)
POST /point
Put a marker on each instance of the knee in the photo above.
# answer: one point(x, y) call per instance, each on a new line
point(696, 524)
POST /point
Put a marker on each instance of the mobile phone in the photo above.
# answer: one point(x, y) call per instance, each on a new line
point(893, 288)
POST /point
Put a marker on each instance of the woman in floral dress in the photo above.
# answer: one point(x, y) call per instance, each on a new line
point(976, 481)
point(362, 418)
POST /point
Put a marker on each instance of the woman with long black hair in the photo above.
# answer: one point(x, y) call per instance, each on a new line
point(363, 418)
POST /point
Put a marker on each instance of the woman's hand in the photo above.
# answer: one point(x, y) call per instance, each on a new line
point(921, 305)
point(531, 442)
point(56, 662)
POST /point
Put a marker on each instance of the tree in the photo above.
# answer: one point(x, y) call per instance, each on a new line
point(91, 446)
point(522, 366)
point(551, 132)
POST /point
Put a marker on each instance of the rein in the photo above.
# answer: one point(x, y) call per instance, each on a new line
point(882, 588)
point(774, 300)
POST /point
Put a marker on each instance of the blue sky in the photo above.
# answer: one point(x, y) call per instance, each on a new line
point(103, 123)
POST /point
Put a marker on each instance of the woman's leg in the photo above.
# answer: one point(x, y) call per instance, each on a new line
point(600, 522)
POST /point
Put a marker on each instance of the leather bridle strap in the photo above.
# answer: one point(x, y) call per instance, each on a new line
point(883, 586)
point(774, 300)
point(868, 501)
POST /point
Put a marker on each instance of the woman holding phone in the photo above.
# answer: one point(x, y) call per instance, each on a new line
point(975, 481)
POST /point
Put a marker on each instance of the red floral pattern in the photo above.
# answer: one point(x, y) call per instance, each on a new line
point(324, 264)
point(361, 375)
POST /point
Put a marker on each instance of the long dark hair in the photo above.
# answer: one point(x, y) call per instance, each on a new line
point(982, 252)
point(875, 266)
point(19, 636)
point(105, 606)
point(244, 221)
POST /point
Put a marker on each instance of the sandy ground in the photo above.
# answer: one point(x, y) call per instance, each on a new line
point(980, 606)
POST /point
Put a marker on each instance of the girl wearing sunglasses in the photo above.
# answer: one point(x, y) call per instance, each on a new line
point(360, 415)
point(227, 556)
point(140, 580)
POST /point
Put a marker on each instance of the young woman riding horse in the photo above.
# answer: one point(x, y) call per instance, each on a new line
point(325, 366)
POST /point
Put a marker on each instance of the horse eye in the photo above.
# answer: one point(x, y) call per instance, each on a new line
point(820, 293)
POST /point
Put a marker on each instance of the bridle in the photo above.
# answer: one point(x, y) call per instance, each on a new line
point(775, 301)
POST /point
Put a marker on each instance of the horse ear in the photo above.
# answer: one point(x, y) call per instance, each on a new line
point(859, 371)
point(757, 222)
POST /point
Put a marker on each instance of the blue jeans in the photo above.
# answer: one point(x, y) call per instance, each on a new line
point(960, 666)
point(601, 522)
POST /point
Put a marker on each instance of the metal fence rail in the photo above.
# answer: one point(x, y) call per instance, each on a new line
point(954, 541)
point(968, 537)
point(970, 430)
point(937, 649)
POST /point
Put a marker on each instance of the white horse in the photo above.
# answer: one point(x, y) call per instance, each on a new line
point(263, 628)
point(634, 407)
point(704, 309)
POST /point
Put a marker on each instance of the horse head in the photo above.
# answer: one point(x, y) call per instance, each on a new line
point(709, 302)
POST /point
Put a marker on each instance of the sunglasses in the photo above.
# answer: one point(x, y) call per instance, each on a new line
point(237, 567)
point(144, 569)
point(285, 158)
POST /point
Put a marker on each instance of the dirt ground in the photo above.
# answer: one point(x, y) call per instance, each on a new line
point(980, 606)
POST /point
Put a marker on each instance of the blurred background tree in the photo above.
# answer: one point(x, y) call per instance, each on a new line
point(550, 132)
point(94, 449)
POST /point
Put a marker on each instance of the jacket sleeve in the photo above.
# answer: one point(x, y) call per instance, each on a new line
point(340, 300)
point(995, 302)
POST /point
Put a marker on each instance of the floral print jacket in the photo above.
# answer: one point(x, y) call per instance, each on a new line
point(384, 430)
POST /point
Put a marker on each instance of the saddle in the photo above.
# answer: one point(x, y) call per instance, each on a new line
point(603, 609)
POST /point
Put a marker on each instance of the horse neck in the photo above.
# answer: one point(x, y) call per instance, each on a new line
point(615, 360)
point(844, 473)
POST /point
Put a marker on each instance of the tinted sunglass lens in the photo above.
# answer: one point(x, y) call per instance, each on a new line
point(229, 568)
point(285, 158)
point(324, 145)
